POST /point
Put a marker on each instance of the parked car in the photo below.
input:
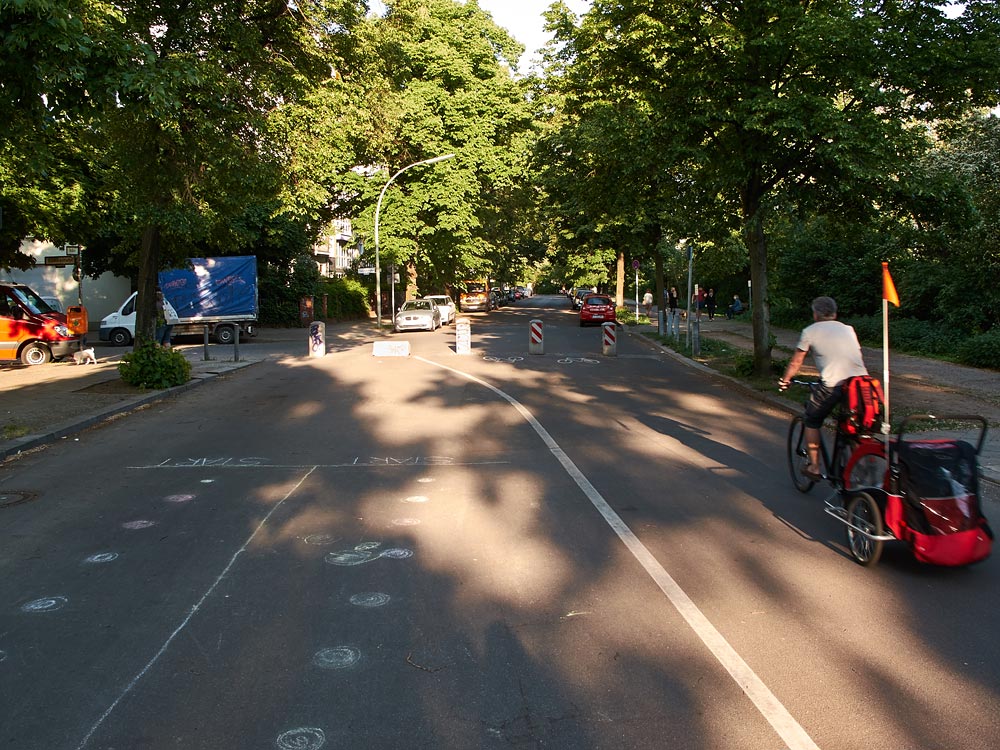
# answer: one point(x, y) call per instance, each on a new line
point(418, 315)
point(579, 294)
point(446, 305)
point(597, 308)
point(496, 298)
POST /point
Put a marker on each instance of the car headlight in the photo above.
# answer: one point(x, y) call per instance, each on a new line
point(62, 331)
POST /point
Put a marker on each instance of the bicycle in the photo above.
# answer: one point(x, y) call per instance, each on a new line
point(856, 469)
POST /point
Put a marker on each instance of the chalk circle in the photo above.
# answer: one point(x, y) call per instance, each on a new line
point(102, 557)
point(3, 656)
point(140, 524)
point(368, 545)
point(207, 481)
point(370, 599)
point(397, 553)
point(351, 557)
point(305, 738)
point(179, 498)
point(416, 499)
point(46, 604)
point(340, 657)
point(406, 522)
point(320, 539)
point(425, 480)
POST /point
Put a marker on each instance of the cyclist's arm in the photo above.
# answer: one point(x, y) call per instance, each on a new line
point(794, 365)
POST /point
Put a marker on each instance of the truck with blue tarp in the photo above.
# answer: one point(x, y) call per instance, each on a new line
point(220, 293)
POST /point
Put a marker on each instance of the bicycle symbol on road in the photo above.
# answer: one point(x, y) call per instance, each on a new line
point(582, 360)
point(511, 360)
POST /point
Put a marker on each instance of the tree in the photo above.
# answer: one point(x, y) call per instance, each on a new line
point(451, 69)
point(771, 101)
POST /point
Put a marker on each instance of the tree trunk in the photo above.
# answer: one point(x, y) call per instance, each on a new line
point(620, 281)
point(760, 312)
point(658, 272)
point(149, 266)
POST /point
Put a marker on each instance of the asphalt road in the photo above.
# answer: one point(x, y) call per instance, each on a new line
point(487, 551)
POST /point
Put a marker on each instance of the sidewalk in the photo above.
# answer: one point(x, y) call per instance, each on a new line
point(916, 384)
point(42, 404)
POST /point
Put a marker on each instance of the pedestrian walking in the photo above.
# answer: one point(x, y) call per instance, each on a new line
point(710, 304)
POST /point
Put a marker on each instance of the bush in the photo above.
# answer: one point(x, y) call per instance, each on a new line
point(346, 299)
point(152, 366)
point(981, 351)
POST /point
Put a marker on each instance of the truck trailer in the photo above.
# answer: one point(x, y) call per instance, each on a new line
point(220, 293)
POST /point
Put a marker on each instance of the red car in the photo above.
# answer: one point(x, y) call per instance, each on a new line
point(597, 308)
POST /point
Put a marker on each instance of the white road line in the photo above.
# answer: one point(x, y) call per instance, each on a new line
point(788, 729)
point(194, 610)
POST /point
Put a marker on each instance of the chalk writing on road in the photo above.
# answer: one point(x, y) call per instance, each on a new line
point(258, 462)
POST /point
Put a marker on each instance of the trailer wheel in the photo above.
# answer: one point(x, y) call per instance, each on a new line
point(863, 513)
point(36, 353)
point(120, 337)
point(225, 334)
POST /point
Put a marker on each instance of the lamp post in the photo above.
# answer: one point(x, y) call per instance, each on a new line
point(378, 208)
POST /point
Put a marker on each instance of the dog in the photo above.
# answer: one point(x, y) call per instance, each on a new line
point(85, 357)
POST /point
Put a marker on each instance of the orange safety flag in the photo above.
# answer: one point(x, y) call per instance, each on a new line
point(888, 288)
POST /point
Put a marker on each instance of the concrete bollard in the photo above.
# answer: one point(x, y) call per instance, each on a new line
point(695, 326)
point(463, 336)
point(536, 337)
point(661, 322)
point(610, 338)
point(317, 339)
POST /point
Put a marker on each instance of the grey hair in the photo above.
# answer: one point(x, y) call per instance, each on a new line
point(825, 308)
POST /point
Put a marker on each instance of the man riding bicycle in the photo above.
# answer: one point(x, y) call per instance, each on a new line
point(837, 355)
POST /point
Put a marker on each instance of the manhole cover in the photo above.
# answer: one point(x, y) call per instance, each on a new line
point(15, 497)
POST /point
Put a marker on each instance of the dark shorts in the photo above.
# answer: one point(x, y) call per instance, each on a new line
point(821, 402)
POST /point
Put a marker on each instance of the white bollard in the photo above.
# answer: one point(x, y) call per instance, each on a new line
point(463, 336)
point(536, 337)
point(610, 338)
point(317, 339)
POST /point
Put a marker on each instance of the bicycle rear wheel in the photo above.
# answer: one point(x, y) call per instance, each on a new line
point(798, 455)
point(863, 513)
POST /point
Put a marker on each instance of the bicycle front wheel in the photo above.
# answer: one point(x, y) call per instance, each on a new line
point(798, 455)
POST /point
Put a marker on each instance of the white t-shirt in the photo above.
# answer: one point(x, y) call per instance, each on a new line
point(835, 350)
point(647, 298)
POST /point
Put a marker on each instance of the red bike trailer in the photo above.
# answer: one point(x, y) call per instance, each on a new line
point(929, 500)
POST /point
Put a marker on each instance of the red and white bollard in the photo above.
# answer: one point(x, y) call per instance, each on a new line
point(536, 337)
point(610, 331)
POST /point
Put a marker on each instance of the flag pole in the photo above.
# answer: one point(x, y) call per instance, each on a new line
point(885, 368)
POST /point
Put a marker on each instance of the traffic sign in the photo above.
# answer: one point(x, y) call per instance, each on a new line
point(60, 260)
point(635, 265)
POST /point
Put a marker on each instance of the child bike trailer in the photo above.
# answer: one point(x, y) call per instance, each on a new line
point(933, 499)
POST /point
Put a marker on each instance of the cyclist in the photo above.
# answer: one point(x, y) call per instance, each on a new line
point(837, 355)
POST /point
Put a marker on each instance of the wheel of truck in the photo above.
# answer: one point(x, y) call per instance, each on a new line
point(225, 334)
point(36, 353)
point(121, 337)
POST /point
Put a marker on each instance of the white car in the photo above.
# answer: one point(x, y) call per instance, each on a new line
point(446, 305)
point(418, 315)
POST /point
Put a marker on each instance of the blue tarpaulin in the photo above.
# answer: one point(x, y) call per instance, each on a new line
point(213, 287)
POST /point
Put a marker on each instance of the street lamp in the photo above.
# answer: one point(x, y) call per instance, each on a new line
point(378, 208)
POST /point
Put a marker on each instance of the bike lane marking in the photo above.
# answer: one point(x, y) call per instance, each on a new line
point(773, 711)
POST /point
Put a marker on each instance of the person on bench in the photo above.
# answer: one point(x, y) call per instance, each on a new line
point(736, 308)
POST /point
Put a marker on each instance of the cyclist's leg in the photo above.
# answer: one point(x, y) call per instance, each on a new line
point(821, 402)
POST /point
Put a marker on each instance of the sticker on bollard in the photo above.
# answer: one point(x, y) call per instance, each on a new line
point(536, 337)
point(610, 336)
point(463, 336)
point(317, 339)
